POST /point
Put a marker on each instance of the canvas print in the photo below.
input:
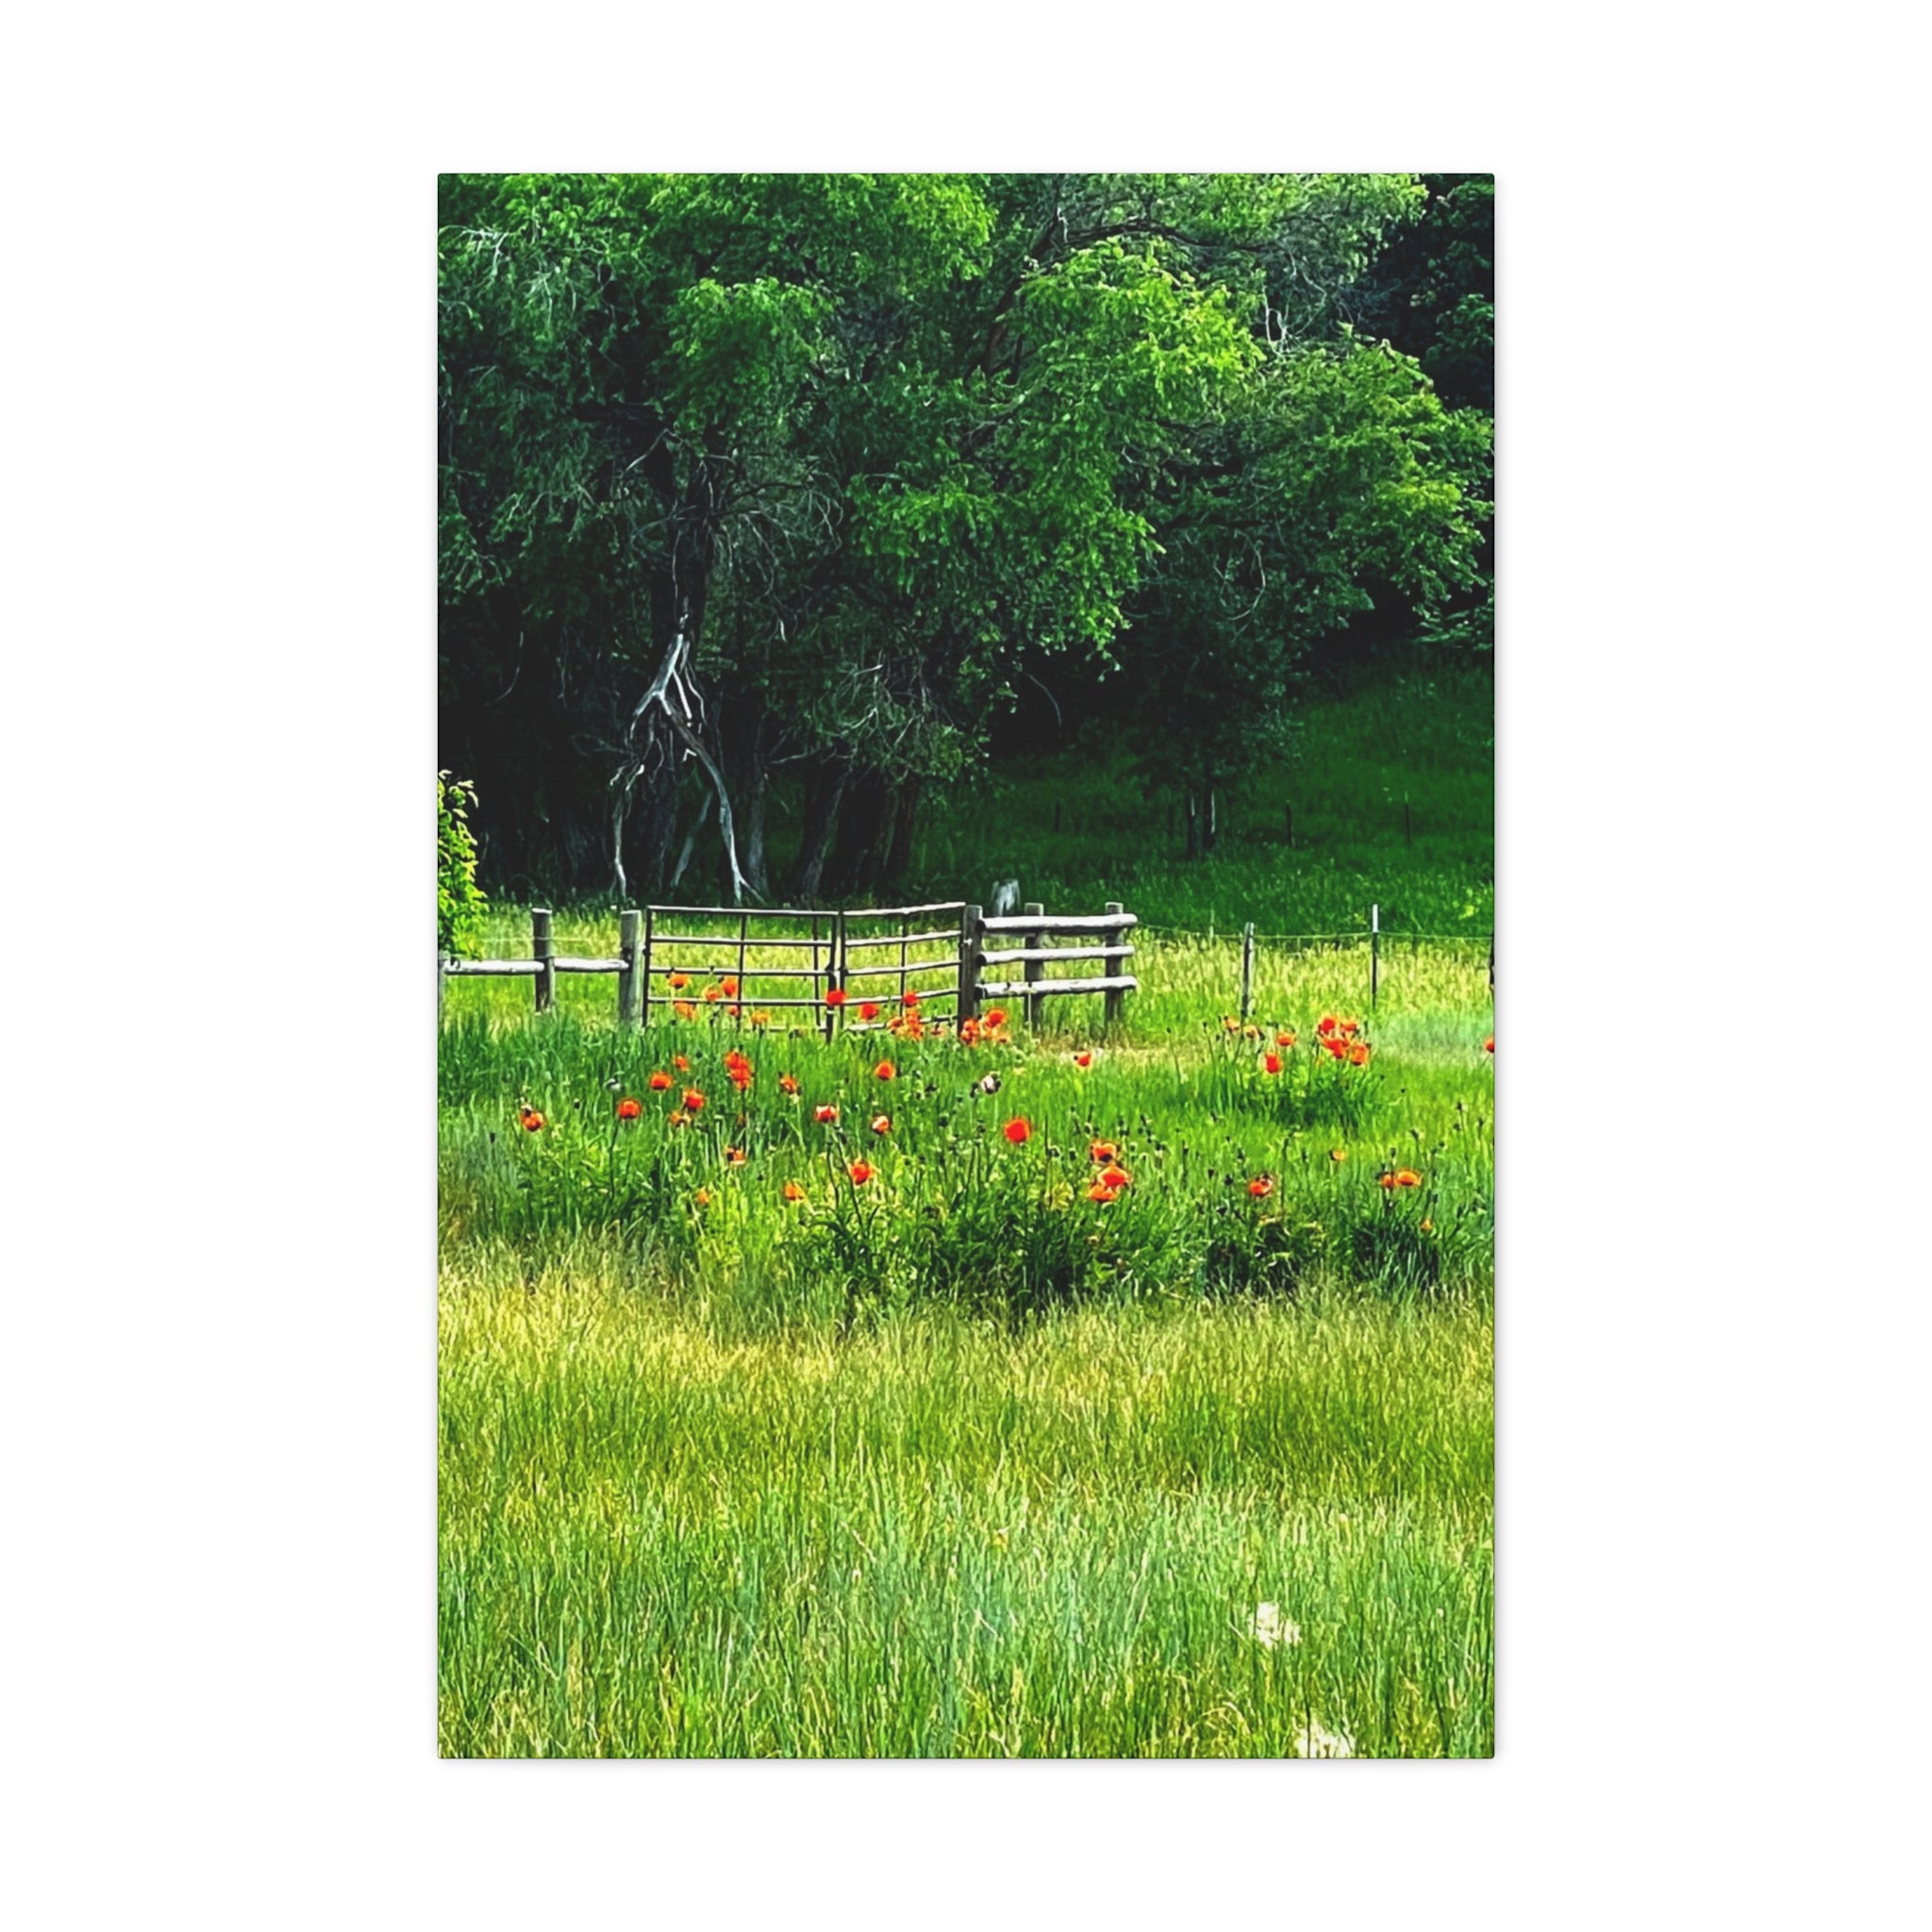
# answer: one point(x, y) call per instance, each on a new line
point(965, 966)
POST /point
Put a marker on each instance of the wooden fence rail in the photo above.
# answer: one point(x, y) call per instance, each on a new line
point(847, 957)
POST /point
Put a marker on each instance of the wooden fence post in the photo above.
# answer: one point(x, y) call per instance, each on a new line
point(1375, 953)
point(544, 954)
point(743, 928)
point(1036, 968)
point(644, 970)
point(628, 977)
point(834, 968)
point(967, 1005)
point(1247, 968)
point(1116, 996)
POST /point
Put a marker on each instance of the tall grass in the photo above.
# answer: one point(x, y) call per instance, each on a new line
point(942, 1537)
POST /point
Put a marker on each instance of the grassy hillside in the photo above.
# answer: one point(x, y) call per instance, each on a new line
point(1425, 739)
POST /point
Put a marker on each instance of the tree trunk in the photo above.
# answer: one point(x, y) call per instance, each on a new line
point(758, 790)
point(823, 792)
point(905, 824)
point(862, 818)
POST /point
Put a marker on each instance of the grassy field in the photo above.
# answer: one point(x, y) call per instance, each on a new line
point(1056, 1393)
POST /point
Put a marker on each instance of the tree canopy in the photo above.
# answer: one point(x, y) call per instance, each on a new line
point(775, 485)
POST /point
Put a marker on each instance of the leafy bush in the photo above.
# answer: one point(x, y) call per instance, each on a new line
point(459, 900)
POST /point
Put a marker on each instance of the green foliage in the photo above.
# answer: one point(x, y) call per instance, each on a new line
point(459, 901)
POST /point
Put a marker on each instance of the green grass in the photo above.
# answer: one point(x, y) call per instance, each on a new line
point(957, 1460)
point(949, 1538)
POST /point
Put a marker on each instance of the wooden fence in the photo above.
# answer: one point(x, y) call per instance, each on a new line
point(876, 956)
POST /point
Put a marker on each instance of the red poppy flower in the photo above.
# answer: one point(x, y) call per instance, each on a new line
point(678, 981)
point(740, 1078)
point(682, 1064)
point(1284, 1039)
point(909, 997)
point(734, 1156)
point(730, 989)
point(995, 1016)
point(835, 996)
point(881, 1123)
point(703, 1197)
point(679, 1119)
point(1270, 1063)
point(1490, 1044)
point(787, 1083)
point(1103, 1151)
point(861, 1171)
point(710, 994)
point(1350, 1029)
point(761, 1019)
point(1260, 1187)
point(660, 1083)
point(628, 1109)
point(1407, 1177)
point(968, 1032)
point(1335, 1045)
point(825, 1115)
point(1101, 1191)
point(1327, 1024)
point(868, 1010)
point(1385, 1182)
point(793, 1192)
point(1019, 1132)
point(1359, 1053)
point(693, 1100)
point(533, 1120)
point(684, 1009)
point(1113, 1177)
point(1083, 1059)
point(885, 1071)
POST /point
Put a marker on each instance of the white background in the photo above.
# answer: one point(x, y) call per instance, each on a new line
point(219, 723)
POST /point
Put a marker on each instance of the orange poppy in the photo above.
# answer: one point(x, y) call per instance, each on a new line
point(734, 1156)
point(1113, 1177)
point(693, 1100)
point(861, 1171)
point(740, 1078)
point(761, 1019)
point(1490, 1044)
point(995, 1016)
point(703, 1197)
point(1103, 1151)
point(909, 997)
point(787, 1083)
point(885, 1071)
point(835, 996)
point(678, 981)
point(1327, 1024)
point(1350, 1029)
point(533, 1120)
point(679, 1061)
point(1019, 1132)
point(968, 1032)
point(1385, 1182)
point(825, 1115)
point(1338, 1153)
point(628, 1109)
point(881, 1123)
point(1260, 1187)
point(1359, 1053)
point(1335, 1045)
point(1407, 1177)
point(730, 989)
point(1100, 1192)
point(684, 1009)
point(709, 994)
point(869, 1010)
point(1270, 1063)
point(660, 1082)
point(677, 1119)
point(1284, 1039)
point(793, 1192)
point(1083, 1059)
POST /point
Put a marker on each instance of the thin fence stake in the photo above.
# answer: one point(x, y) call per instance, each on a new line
point(1375, 953)
point(966, 1005)
point(1116, 997)
point(1035, 969)
point(1247, 968)
point(904, 927)
point(543, 952)
point(627, 978)
point(743, 922)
